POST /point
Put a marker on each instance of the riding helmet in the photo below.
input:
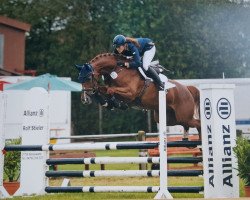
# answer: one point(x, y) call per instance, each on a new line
point(119, 40)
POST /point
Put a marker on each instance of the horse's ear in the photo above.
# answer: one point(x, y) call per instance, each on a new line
point(78, 67)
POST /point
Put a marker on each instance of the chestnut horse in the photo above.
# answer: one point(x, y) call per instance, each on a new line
point(128, 86)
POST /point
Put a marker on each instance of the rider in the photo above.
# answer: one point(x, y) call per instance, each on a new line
point(138, 48)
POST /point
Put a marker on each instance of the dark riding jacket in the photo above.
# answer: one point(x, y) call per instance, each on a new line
point(137, 52)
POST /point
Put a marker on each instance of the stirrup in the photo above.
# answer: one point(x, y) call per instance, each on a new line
point(160, 86)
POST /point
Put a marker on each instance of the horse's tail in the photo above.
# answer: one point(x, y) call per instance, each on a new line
point(196, 96)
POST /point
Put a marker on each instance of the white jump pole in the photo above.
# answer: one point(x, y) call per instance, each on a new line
point(163, 193)
point(3, 192)
point(218, 140)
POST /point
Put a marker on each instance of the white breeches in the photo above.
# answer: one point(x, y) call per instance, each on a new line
point(148, 57)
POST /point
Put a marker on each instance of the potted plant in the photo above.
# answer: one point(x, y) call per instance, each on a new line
point(242, 152)
point(12, 162)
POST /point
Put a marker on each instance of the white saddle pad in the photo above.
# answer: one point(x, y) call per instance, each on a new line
point(163, 78)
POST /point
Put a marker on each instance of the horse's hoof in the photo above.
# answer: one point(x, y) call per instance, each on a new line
point(110, 107)
point(123, 106)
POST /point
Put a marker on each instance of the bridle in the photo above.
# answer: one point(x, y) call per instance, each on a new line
point(91, 90)
point(87, 74)
point(94, 84)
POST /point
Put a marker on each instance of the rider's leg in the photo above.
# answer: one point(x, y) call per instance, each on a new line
point(151, 73)
point(148, 57)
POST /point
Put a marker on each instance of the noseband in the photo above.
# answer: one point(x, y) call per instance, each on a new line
point(89, 91)
point(87, 75)
point(94, 84)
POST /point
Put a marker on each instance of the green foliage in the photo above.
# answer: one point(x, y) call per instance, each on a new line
point(242, 152)
point(194, 39)
point(12, 162)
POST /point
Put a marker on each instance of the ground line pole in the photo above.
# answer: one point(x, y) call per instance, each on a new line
point(163, 193)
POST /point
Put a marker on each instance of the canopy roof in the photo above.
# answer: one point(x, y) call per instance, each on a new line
point(48, 82)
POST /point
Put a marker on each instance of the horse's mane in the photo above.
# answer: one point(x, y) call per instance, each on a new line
point(117, 56)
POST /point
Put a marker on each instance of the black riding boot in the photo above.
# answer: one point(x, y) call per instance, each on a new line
point(151, 73)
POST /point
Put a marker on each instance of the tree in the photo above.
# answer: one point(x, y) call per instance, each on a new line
point(194, 39)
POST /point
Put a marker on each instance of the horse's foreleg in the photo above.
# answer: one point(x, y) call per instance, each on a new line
point(103, 89)
point(121, 91)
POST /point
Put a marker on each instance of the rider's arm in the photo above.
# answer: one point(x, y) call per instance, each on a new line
point(136, 57)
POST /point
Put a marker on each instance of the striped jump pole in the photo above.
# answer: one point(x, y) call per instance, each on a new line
point(121, 160)
point(149, 189)
point(100, 146)
point(85, 146)
point(183, 143)
point(103, 160)
point(122, 173)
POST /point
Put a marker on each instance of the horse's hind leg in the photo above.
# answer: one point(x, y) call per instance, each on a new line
point(185, 134)
point(196, 123)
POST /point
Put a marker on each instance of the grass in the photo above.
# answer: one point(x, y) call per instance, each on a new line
point(116, 181)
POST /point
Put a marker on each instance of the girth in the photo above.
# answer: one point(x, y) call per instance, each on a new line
point(137, 100)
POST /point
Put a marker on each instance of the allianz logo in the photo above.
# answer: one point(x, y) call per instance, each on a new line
point(31, 113)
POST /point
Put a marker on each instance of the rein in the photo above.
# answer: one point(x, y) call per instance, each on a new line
point(94, 84)
point(142, 91)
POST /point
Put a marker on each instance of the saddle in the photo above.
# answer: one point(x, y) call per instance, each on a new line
point(155, 65)
point(159, 69)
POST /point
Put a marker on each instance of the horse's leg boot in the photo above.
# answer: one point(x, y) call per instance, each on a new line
point(99, 99)
point(151, 73)
point(110, 105)
point(115, 103)
point(123, 106)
